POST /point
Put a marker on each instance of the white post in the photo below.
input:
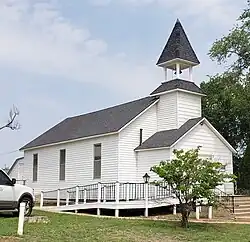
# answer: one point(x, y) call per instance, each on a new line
point(155, 192)
point(174, 209)
point(191, 73)
point(166, 74)
point(21, 219)
point(197, 212)
point(58, 198)
point(117, 197)
point(210, 212)
point(99, 197)
point(146, 199)
point(77, 195)
point(104, 194)
point(127, 191)
point(177, 70)
point(67, 199)
point(41, 200)
point(85, 196)
point(99, 194)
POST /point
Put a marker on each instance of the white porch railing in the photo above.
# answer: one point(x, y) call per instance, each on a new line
point(104, 193)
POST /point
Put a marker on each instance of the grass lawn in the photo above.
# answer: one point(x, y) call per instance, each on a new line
point(64, 227)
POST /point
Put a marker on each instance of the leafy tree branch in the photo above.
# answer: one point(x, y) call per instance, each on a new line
point(191, 179)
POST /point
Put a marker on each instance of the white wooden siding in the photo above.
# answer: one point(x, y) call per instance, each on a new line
point(129, 139)
point(211, 146)
point(149, 158)
point(189, 106)
point(167, 111)
point(79, 163)
point(18, 170)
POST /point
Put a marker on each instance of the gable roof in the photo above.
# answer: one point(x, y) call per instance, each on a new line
point(14, 164)
point(178, 46)
point(101, 122)
point(177, 84)
point(168, 137)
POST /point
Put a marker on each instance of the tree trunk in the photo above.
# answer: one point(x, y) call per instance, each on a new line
point(185, 211)
point(184, 219)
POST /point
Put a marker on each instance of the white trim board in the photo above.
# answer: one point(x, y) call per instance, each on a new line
point(178, 90)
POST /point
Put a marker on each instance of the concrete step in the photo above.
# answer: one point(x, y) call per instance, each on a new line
point(242, 214)
point(242, 218)
point(242, 210)
point(245, 206)
point(241, 203)
point(243, 198)
point(241, 206)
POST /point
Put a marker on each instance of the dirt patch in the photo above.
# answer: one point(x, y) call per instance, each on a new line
point(9, 239)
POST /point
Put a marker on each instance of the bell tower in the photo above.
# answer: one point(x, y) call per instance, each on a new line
point(178, 55)
point(180, 97)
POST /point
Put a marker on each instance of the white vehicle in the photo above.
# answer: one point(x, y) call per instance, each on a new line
point(12, 194)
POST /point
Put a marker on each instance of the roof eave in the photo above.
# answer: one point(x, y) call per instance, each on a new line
point(213, 129)
point(14, 164)
point(148, 149)
point(66, 141)
point(177, 89)
point(230, 147)
point(89, 137)
point(180, 60)
point(136, 117)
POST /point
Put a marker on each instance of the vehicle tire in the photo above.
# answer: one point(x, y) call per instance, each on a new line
point(28, 206)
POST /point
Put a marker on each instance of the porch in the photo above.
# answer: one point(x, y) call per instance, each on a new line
point(114, 196)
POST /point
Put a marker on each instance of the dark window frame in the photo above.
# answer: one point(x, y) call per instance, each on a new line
point(62, 165)
point(6, 182)
point(35, 168)
point(97, 166)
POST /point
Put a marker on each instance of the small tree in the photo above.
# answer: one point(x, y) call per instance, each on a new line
point(12, 123)
point(191, 178)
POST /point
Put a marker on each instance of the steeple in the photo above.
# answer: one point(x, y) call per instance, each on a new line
point(178, 53)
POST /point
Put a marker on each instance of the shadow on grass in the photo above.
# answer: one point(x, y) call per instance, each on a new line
point(7, 215)
point(176, 225)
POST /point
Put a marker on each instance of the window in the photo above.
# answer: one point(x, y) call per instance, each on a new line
point(35, 167)
point(4, 180)
point(62, 165)
point(97, 161)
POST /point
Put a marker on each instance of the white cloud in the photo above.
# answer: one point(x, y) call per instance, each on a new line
point(221, 12)
point(36, 37)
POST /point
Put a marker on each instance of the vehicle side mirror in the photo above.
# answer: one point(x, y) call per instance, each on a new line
point(13, 181)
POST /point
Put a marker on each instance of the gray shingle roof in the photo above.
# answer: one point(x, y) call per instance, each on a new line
point(96, 123)
point(168, 137)
point(177, 84)
point(178, 46)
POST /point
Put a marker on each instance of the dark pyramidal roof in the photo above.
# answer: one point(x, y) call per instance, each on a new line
point(177, 84)
point(167, 138)
point(96, 123)
point(178, 46)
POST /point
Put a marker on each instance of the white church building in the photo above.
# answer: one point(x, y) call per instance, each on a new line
point(123, 142)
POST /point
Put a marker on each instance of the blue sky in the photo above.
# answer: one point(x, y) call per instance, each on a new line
point(64, 58)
